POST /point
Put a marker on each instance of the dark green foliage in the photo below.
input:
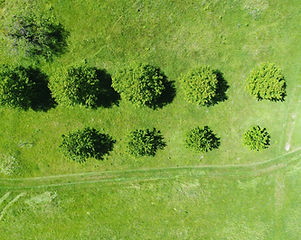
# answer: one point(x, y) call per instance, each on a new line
point(15, 87)
point(141, 84)
point(257, 138)
point(86, 143)
point(145, 142)
point(267, 82)
point(200, 85)
point(35, 34)
point(77, 85)
point(202, 139)
point(23, 87)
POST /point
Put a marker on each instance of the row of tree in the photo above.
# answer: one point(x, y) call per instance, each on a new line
point(89, 142)
point(141, 84)
point(40, 37)
point(37, 34)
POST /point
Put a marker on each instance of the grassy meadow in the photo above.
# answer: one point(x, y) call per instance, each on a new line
point(231, 36)
point(266, 207)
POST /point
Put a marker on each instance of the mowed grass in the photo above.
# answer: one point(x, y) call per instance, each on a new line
point(210, 208)
point(232, 36)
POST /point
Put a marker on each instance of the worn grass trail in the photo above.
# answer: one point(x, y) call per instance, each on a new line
point(242, 170)
point(10, 203)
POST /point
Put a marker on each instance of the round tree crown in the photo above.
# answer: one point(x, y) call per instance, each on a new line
point(267, 82)
point(200, 85)
point(140, 83)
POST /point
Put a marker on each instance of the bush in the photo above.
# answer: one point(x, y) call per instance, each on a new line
point(145, 142)
point(141, 84)
point(267, 82)
point(256, 138)
point(9, 165)
point(76, 85)
point(16, 87)
point(202, 139)
point(35, 34)
point(200, 85)
point(86, 143)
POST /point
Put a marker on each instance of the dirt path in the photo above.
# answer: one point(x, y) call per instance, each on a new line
point(292, 118)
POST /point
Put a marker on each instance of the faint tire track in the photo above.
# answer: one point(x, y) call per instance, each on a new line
point(4, 197)
point(242, 170)
point(9, 204)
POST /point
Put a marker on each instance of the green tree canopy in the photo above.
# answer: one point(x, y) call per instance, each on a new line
point(256, 138)
point(78, 84)
point(200, 85)
point(202, 139)
point(17, 88)
point(32, 32)
point(145, 142)
point(85, 143)
point(267, 82)
point(139, 83)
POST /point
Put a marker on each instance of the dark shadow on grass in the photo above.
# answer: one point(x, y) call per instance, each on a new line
point(222, 87)
point(41, 96)
point(107, 96)
point(104, 146)
point(167, 95)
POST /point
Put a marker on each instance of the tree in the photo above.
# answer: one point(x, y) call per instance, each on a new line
point(76, 85)
point(86, 143)
point(17, 89)
point(200, 85)
point(145, 142)
point(35, 34)
point(202, 139)
point(141, 84)
point(267, 82)
point(256, 138)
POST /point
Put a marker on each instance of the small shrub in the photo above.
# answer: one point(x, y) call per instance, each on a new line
point(9, 165)
point(202, 139)
point(141, 84)
point(16, 87)
point(145, 142)
point(86, 143)
point(34, 34)
point(267, 82)
point(256, 138)
point(76, 85)
point(200, 85)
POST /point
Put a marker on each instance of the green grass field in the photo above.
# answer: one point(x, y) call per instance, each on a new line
point(232, 36)
point(230, 207)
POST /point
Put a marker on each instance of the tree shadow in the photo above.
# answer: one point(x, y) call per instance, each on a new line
point(59, 43)
point(167, 95)
point(105, 145)
point(41, 96)
point(107, 96)
point(222, 87)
